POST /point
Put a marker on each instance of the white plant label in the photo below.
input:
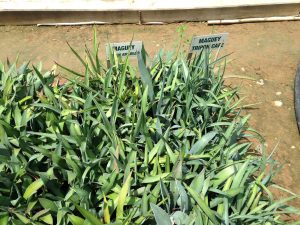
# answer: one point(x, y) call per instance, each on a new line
point(134, 48)
point(212, 41)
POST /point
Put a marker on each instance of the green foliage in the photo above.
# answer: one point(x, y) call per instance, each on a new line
point(166, 144)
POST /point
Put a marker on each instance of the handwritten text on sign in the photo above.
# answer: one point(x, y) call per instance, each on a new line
point(213, 41)
point(134, 48)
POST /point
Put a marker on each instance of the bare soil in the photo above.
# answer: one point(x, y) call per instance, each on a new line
point(267, 51)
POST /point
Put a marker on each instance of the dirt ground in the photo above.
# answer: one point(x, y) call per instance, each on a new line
point(267, 52)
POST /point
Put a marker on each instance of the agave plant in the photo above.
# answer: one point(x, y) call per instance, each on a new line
point(164, 143)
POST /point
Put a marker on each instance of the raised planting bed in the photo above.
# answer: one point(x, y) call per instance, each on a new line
point(164, 143)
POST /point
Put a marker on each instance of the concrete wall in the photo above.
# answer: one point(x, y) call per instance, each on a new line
point(139, 11)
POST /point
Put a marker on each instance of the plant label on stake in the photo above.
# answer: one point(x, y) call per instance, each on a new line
point(210, 42)
point(134, 48)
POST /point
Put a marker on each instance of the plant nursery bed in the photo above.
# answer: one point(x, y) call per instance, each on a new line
point(262, 63)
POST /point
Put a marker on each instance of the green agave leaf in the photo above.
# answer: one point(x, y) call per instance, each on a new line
point(161, 217)
point(75, 220)
point(197, 183)
point(180, 218)
point(30, 206)
point(48, 219)
point(18, 117)
point(106, 210)
point(237, 181)
point(177, 170)
point(165, 194)
point(183, 197)
point(48, 204)
point(22, 218)
point(4, 219)
point(33, 188)
point(89, 216)
point(122, 197)
point(201, 203)
point(47, 106)
point(156, 178)
point(199, 146)
point(69, 70)
point(146, 77)
point(223, 175)
point(40, 214)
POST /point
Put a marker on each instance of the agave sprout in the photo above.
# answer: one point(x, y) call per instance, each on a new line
point(164, 143)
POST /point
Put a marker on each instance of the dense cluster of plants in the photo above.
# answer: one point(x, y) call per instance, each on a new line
point(165, 144)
